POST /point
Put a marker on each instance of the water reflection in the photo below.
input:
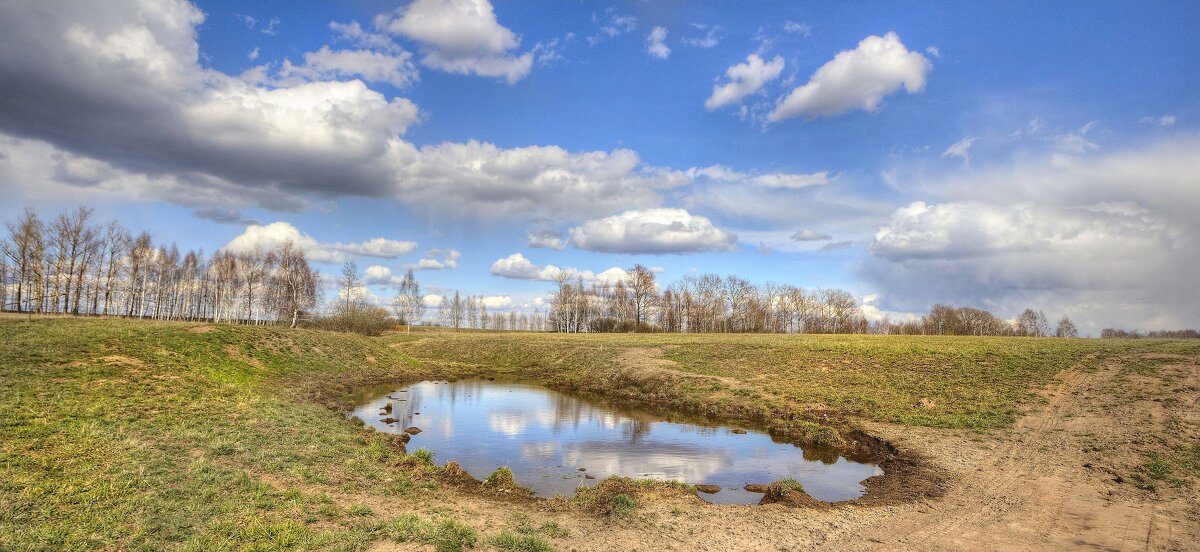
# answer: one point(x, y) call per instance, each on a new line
point(545, 437)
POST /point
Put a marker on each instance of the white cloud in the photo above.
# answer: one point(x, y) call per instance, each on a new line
point(534, 181)
point(548, 239)
point(655, 43)
point(802, 29)
point(394, 68)
point(961, 149)
point(856, 79)
point(432, 300)
point(652, 231)
point(460, 36)
point(377, 275)
point(744, 79)
point(793, 181)
point(933, 52)
point(439, 259)
point(253, 55)
point(1113, 239)
point(268, 236)
point(517, 267)
point(810, 235)
point(497, 301)
point(1162, 121)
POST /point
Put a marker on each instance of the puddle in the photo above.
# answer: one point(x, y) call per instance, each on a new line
point(552, 441)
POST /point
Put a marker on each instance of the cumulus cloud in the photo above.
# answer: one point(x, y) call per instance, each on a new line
point(517, 267)
point(549, 239)
point(433, 300)
point(807, 235)
point(1114, 239)
point(656, 43)
point(265, 237)
point(82, 79)
point(497, 301)
point(460, 36)
point(86, 78)
point(743, 79)
point(856, 79)
point(394, 68)
point(652, 231)
point(377, 275)
point(439, 259)
point(534, 181)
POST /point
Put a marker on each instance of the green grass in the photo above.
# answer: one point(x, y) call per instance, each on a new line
point(140, 435)
point(950, 382)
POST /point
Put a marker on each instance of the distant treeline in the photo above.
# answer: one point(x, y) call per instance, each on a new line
point(710, 303)
point(1112, 333)
point(76, 265)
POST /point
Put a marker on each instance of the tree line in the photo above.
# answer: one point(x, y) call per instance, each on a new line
point(710, 303)
point(74, 264)
point(1114, 333)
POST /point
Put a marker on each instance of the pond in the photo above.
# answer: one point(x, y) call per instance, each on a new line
point(555, 443)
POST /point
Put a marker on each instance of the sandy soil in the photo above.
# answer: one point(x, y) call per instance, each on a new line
point(1047, 483)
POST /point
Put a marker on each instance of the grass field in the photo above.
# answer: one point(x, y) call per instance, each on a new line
point(141, 435)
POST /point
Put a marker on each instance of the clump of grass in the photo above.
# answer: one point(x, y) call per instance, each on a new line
point(502, 480)
point(520, 543)
point(359, 510)
point(444, 534)
point(623, 505)
point(424, 456)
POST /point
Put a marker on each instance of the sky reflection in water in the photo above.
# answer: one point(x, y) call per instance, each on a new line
point(545, 437)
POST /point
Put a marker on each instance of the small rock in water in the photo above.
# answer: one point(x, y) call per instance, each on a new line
point(582, 469)
point(389, 420)
point(416, 413)
point(708, 489)
point(412, 430)
point(388, 407)
point(740, 431)
point(755, 488)
point(588, 476)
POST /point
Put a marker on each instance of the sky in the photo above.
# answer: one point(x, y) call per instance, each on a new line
point(999, 155)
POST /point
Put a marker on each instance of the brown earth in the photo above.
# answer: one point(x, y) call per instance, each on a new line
point(1047, 483)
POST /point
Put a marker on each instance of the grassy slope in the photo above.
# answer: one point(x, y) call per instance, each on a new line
point(972, 382)
point(142, 435)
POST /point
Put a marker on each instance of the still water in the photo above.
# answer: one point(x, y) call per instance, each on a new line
point(552, 441)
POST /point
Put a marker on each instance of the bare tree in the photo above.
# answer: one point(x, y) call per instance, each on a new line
point(642, 288)
point(297, 281)
point(408, 303)
point(1066, 328)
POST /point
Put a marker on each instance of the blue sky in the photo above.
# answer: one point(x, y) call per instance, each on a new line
point(998, 155)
